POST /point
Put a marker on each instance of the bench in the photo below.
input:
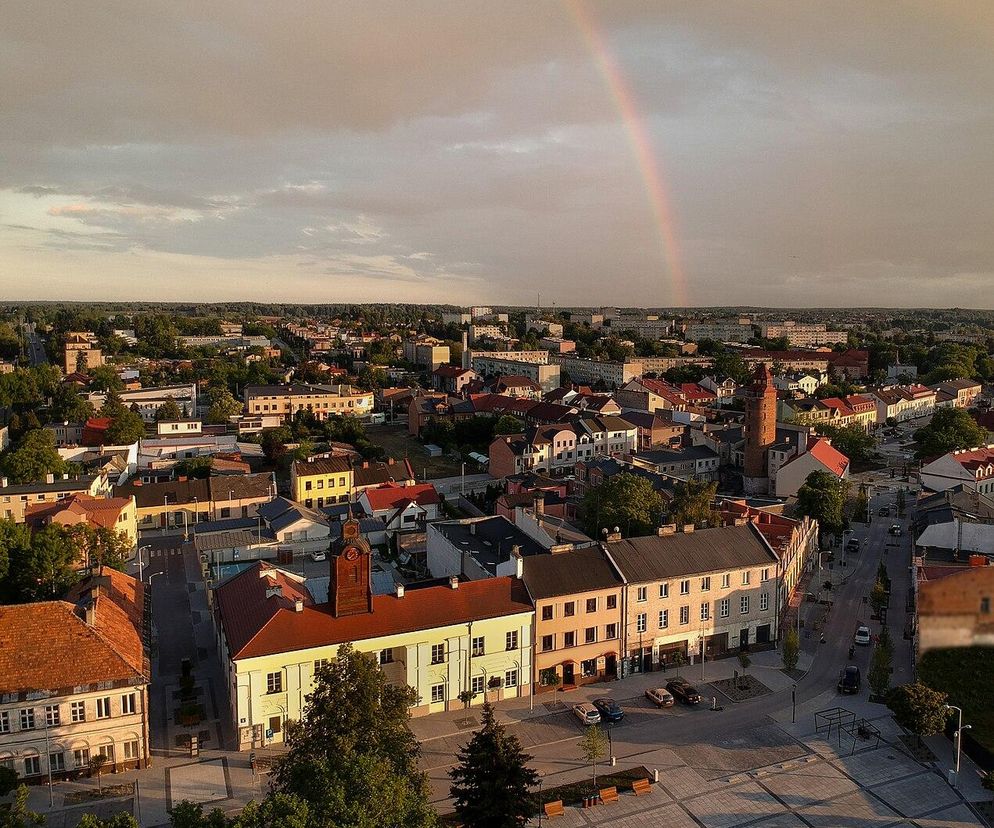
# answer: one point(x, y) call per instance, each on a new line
point(640, 787)
point(609, 795)
point(554, 809)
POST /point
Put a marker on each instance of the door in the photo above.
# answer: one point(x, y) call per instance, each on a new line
point(744, 639)
point(763, 634)
point(611, 665)
point(568, 675)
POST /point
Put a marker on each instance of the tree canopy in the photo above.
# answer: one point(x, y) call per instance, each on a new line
point(949, 429)
point(169, 410)
point(852, 440)
point(623, 500)
point(918, 708)
point(693, 503)
point(822, 497)
point(34, 457)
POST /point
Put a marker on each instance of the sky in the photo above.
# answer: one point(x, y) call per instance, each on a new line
point(646, 154)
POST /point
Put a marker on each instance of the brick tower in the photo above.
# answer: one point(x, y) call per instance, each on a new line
point(760, 429)
point(350, 591)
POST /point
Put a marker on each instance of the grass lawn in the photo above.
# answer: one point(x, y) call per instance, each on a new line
point(965, 673)
point(399, 444)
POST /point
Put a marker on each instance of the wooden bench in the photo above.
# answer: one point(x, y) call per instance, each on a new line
point(554, 809)
point(640, 787)
point(609, 795)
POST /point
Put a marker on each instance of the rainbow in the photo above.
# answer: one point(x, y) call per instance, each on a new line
point(645, 157)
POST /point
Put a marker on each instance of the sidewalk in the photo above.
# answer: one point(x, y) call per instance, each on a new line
point(765, 667)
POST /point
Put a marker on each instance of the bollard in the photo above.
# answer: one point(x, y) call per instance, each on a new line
point(655, 775)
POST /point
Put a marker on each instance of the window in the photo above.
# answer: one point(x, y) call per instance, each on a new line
point(127, 704)
point(511, 640)
point(706, 583)
point(52, 717)
point(320, 484)
point(985, 605)
point(642, 594)
point(57, 761)
point(764, 575)
point(764, 601)
point(705, 611)
point(569, 609)
point(437, 653)
point(476, 684)
point(548, 643)
point(386, 656)
point(611, 631)
point(32, 766)
point(588, 668)
point(744, 604)
point(225, 511)
point(307, 485)
point(81, 758)
point(131, 749)
point(547, 613)
point(745, 578)
point(726, 581)
point(569, 639)
point(324, 662)
point(664, 590)
point(274, 683)
point(591, 605)
point(590, 635)
point(685, 587)
point(723, 608)
point(27, 718)
point(4, 722)
point(437, 693)
point(640, 622)
point(511, 678)
point(664, 619)
point(612, 601)
point(477, 646)
point(685, 614)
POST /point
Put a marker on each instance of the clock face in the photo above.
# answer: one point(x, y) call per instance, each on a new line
point(351, 553)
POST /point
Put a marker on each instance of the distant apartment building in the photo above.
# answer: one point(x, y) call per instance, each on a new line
point(426, 352)
point(148, 400)
point(802, 334)
point(537, 323)
point(557, 345)
point(235, 341)
point(590, 371)
point(720, 330)
point(547, 376)
point(322, 401)
point(81, 352)
point(644, 327)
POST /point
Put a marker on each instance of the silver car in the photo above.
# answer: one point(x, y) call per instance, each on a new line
point(587, 713)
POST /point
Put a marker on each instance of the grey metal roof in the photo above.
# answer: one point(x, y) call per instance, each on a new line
point(656, 558)
point(580, 570)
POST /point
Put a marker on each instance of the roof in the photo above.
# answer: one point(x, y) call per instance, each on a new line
point(489, 540)
point(255, 625)
point(391, 496)
point(370, 473)
point(654, 557)
point(171, 492)
point(957, 594)
point(98, 511)
point(568, 573)
point(60, 484)
point(321, 465)
point(48, 645)
point(826, 454)
point(451, 371)
point(281, 512)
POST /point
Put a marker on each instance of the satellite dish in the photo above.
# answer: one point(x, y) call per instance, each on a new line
point(617, 528)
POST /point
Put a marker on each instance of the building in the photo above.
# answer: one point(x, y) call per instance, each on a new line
point(720, 330)
point(802, 334)
point(552, 449)
point(546, 375)
point(964, 392)
point(957, 610)
point(81, 352)
point(820, 456)
point(451, 378)
point(321, 481)
point(710, 590)
point(578, 600)
point(973, 469)
point(402, 508)
point(427, 352)
point(760, 430)
point(651, 395)
point(903, 402)
point(148, 400)
point(654, 431)
point(799, 383)
point(590, 371)
point(479, 548)
point(322, 401)
point(16, 497)
point(74, 678)
point(443, 640)
point(119, 514)
point(683, 462)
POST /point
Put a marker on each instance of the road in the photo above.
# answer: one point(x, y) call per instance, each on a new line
point(36, 349)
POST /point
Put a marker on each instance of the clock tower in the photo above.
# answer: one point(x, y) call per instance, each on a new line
point(350, 591)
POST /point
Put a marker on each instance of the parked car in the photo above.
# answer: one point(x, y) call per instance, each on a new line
point(853, 545)
point(587, 713)
point(895, 529)
point(660, 696)
point(684, 691)
point(884, 511)
point(318, 556)
point(850, 680)
point(609, 709)
point(862, 636)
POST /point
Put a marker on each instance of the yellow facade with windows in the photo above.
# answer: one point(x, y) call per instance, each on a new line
point(321, 481)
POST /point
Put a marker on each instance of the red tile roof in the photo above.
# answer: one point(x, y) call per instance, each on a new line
point(98, 511)
point(255, 625)
point(392, 495)
point(829, 456)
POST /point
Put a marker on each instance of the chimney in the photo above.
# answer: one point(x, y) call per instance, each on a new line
point(65, 476)
point(399, 589)
point(539, 504)
point(3, 482)
point(453, 582)
point(90, 613)
point(50, 478)
point(666, 529)
point(740, 521)
point(688, 529)
point(298, 605)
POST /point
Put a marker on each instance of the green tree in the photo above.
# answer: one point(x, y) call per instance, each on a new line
point(69, 407)
point(16, 814)
point(34, 457)
point(880, 668)
point(125, 428)
point(188, 814)
point(352, 757)
point(853, 441)
point(949, 429)
point(919, 709)
point(199, 467)
point(861, 504)
point(169, 410)
point(791, 649)
point(119, 820)
point(822, 497)
point(97, 763)
point(105, 378)
point(222, 405)
point(8, 780)
point(592, 747)
point(879, 597)
point(693, 503)
point(274, 442)
point(623, 500)
point(275, 811)
point(508, 424)
point(492, 782)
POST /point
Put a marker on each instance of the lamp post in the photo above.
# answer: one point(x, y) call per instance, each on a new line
point(48, 750)
point(960, 727)
point(793, 703)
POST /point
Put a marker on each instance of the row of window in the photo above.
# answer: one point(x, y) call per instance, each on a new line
point(477, 685)
point(51, 716)
point(590, 636)
point(569, 608)
point(309, 502)
point(642, 592)
point(320, 483)
point(724, 610)
point(80, 759)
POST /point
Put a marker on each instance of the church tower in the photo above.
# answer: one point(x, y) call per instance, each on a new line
point(760, 429)
point(350, 591)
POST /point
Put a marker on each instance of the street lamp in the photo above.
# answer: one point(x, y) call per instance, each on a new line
point(960, 727)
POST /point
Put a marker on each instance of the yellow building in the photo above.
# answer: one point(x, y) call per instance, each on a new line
point(321, 481)
point(465, 637)
point(322, 401)
point(16, 497)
